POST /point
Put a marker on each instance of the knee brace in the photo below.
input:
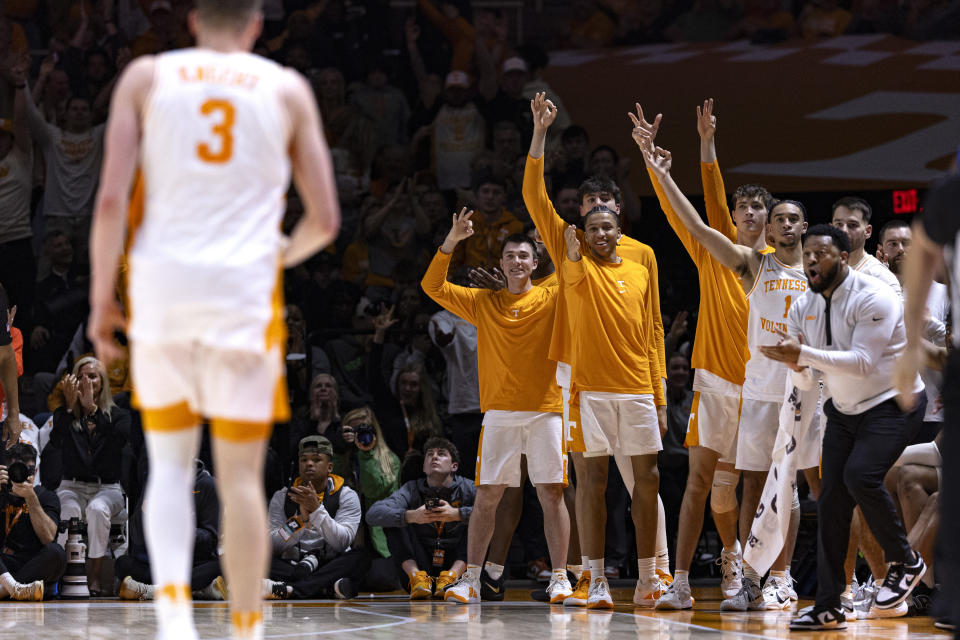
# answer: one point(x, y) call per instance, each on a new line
point(723, 493)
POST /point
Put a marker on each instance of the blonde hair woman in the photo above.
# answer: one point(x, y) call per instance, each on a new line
point(378, 468)
point(82, 462)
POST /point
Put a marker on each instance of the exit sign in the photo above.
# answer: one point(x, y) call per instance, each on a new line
point(905, 201)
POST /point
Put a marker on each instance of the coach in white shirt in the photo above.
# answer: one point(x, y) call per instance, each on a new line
point(848, 329)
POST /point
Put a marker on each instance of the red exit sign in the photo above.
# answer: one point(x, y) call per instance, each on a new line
point(905, 201)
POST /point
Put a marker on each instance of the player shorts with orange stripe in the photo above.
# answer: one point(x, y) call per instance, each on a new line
point(714, 423)
point(176, 385)
point(508, 434)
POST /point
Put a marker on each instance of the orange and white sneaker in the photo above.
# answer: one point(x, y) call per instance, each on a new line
point(559, 588)
point(464, 591)
point(580, 592)
point(599, 596)
point(648, 592)
point(665, 577)
point(421, 586)
point(444, 580)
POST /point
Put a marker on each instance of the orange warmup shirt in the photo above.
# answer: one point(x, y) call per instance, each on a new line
point(613, 344)
point(551, 227)
point(513, 337)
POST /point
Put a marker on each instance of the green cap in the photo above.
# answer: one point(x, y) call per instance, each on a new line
point(316, 444)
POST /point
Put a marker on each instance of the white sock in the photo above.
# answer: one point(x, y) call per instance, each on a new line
point(750, 572)
point(596, 569)
point(472, 573)
point(8, 583)
point(585, 563)
point(681, 577)
point(493, 570)
point(575, 569)
point(663, 552)
point(735, 549)
point(168, 516)
point(646, 569)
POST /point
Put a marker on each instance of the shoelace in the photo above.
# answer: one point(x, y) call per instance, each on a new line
point(894, 575)
point(727, 564)
point(601, 588)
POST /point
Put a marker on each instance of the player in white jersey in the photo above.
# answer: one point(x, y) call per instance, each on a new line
point(852, 214)
point(217, 132)
point(771, 282)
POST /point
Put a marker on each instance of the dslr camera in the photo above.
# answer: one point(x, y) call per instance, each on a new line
point(17, 471)
point(365, 434)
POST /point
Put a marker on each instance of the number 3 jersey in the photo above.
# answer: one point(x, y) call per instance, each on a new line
point(205, 260)
point(775, 289)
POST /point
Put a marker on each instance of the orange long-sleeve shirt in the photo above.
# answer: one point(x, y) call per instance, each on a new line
point(551, 227)
point(614, 347)
point(513, 337)
point(720, 346)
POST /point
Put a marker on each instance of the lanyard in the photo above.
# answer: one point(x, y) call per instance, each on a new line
point(10, 523)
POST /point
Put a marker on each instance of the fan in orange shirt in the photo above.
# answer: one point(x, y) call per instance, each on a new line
point(518, 395)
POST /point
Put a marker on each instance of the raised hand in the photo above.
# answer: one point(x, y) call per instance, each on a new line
point(644, 131)
point(47, 66)
point(11, 314)
point(385, 320)
point(412, 31)
point(706, 121)
point(573, 243)
point(658, 159)
point(483, 279)
point(87, 401)
point(679, 326)
point(462, 226)
point(544, 111)
point(70, 390)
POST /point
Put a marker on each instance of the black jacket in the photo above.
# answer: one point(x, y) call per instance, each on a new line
point(87, 455)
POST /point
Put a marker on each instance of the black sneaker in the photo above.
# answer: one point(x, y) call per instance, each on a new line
point(920, 600)
point(344, 589)
point(902, 578)
point(945, 624)
point(818, 619)
point(490, 589)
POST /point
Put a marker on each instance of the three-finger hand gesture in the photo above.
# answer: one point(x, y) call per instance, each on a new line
point(544, 111)
point(644, 132)
point(573, 243)
point(462, 226)
point(706, 121)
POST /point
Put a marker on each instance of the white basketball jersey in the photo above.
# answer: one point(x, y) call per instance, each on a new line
point(776, 288)
point(205, 262)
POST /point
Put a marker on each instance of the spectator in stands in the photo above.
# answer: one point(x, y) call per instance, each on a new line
point(350, 356)
point(166, 32)
point(11, 368)
point(72, 156)
point(60, 304)
point(323, 420)
point(764, 21)
point(407, 412)
point(505, 100)
point(492, 223)
point(31, 562)
point(823, 19)
point(85, 458)
point(383, 103)
point(457, 133)
point(590, 26)
point(425, 522)
point(313, 524)
point(345, 127)
point(375, 471)
point(17, 264)
point(133, 569)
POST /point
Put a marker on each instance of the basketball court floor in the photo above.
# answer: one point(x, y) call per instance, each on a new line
point(396, 618)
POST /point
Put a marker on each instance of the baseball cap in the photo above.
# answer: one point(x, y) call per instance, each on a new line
point(316, 444)
point(457, 79)
point(515, 63)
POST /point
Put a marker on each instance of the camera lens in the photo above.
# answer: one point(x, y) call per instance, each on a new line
point(18, 472)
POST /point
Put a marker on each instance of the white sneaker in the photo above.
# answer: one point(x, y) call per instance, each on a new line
point(273, 590)
point(793, 592)
point(775, 594)
point(676, 597)
point(896, 612)
point(464, 591)
point(599, 596)
point(559, 588)
point(130, 589)
point(648, 593)
point(749, 598)
point(28, 592)
point(731, 568)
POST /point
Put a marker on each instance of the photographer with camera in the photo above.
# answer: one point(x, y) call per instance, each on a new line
point(313, 524)
point(425, 522)
point(30, 561)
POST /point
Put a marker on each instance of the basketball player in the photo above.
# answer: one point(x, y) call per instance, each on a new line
point(216, 132)
point(617, 372)
point(853, 215)
point(771, 282)
point(719, 354)
point(593, 192)
point(519, 397)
